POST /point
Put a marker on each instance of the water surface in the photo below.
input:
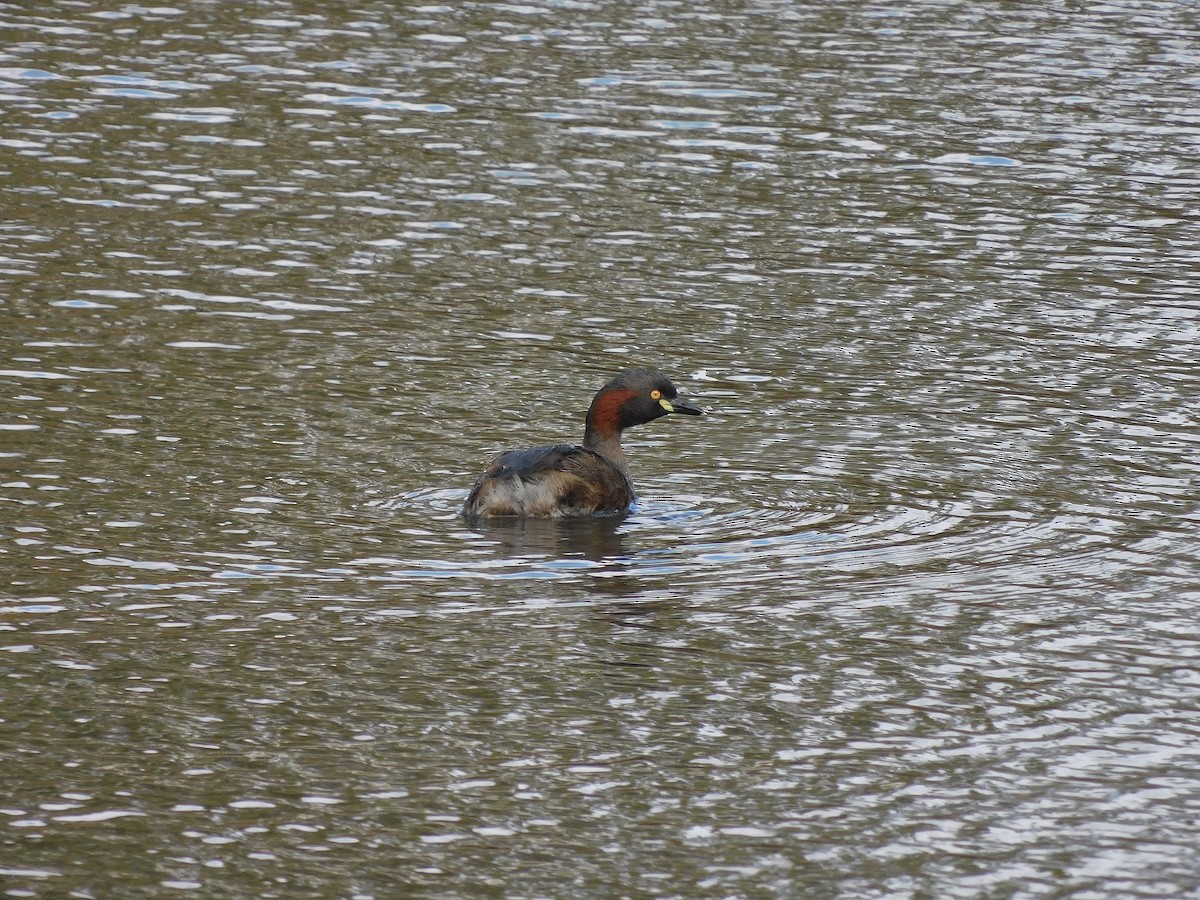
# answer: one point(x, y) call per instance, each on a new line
point(909, 613)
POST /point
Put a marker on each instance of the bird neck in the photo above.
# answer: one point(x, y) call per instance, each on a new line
point(604, 420)
point(607, 444)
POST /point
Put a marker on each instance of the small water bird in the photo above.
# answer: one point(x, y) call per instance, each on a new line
point(579, 480)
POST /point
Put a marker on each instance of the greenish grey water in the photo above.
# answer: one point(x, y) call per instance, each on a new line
point(910, 613)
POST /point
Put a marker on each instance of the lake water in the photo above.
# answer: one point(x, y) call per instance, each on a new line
point(911, 612)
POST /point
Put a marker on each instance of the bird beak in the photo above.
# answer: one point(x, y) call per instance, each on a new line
point(679, 405)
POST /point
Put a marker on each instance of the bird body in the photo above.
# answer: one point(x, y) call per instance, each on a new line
point(573, 480)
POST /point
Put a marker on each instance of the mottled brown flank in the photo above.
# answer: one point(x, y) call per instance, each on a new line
point(605, 414)
point(559, 480)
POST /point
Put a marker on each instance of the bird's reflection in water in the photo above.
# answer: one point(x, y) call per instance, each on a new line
point(594, 538)
point(615, 570)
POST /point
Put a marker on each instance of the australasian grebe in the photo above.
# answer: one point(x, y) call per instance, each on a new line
point(572, 480)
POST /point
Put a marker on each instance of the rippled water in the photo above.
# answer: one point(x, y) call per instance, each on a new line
point(911, 612)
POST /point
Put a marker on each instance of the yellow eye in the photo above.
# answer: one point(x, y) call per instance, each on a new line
point(655, 394)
